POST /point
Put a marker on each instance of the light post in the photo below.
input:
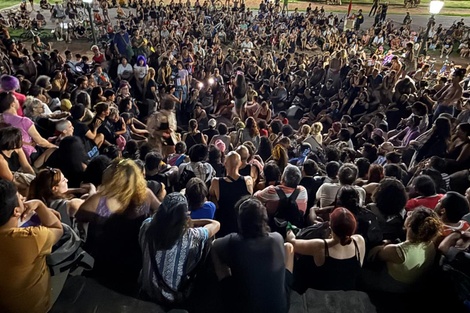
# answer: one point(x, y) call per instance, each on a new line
point(88, 7)
point(435, 6)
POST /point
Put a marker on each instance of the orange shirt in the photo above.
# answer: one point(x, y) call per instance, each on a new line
point(24, 279)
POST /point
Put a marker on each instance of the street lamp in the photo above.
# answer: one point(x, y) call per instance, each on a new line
point(88, 7)
point(435, 6)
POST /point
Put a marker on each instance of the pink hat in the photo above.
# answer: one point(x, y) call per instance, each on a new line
point(220, 145)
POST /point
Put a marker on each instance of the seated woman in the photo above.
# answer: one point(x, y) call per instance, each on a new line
point(24, 251)
point(9, 106)
point(70, 157)
point(196, 194)
point(458, 155)
point(50, 186)
point(114, 216)
point(172, 246)
point(337, 261)
point(14, 165)
point(406, 262)
point(255, 266)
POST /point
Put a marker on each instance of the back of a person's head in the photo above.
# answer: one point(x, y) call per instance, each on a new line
point(198, 152)
point(424, 185)
point(393, 157)
point(424, 225)
point(153, 160)
point(215, 155)
point(169, 223)
point(287, 130)
point(272, 172)
point(222, 128)
point(6, 100)
point(310, 167)
point(180, 147)
point(347, 174)
point(332, 153)
point(10, 138)
point(196, 193)
point(291, 176)
point(332, 169)
point(252, 218)
point(455, 206)
point(390, 196)
point(276, 126)
point(393, 170)
point(347, 197)
point(343, 224)
point(8, 200)
point(438, 163)
point(363, 165)
point(94, 171)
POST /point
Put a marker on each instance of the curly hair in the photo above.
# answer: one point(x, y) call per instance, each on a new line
point(390, 196)
point(424, 224)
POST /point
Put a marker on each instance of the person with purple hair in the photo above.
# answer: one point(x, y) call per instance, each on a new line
point(10, 83)
point(140, 71)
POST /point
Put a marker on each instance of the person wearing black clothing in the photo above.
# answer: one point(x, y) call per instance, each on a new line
point(254, 267)
point(224, 192)
point(211, 131)
point(311, 183)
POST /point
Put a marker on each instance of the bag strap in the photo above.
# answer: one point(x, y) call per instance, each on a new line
point(281, 194)
point(358, 254)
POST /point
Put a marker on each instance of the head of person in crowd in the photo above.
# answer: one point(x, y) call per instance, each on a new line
point(422, 225)
point(9, 83)
point(272, 173)
point(390, 196)
point(196, 193)
point(363, 165)
point(452, 207)
point(232, 162)
point(343, 225)
point(95, 169)
point(198, 153)
point(49, 184)
point(310, 168)
point(347, 174)
point(170, 222)
point(376, 173)
point(252, 218)
point(424, 186)
point(332, 170)
point(291, 176)
point(131, 195)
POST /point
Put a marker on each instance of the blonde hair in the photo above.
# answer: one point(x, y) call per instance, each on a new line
point(125, 183)
point(150, 75)
point(305, 130)
point(316, 130)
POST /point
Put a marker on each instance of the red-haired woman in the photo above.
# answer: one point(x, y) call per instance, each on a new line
point(337, 261)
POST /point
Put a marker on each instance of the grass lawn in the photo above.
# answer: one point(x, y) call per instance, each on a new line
point(9, 3)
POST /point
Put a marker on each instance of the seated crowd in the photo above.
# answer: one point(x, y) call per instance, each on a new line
point(194, 173)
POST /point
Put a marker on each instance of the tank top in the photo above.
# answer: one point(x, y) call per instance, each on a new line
point(13, 161)
point(334, 274)
point(229, 194)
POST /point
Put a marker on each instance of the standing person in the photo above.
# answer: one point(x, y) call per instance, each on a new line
point(255, 266)
point(359, 20)
point(224, 192)
point(122, 43)
point(239, 93)
point(25, 284)
point(375, 5)
point(162, 127)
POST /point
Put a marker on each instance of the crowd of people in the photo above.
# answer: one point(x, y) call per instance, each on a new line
point(257, 153)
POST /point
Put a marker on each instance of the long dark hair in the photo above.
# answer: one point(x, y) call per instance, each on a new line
point(240, 89)
point(169, 223)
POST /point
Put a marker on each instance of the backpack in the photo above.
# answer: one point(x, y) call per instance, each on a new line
point(287, 212)
point(368, 226)
point(67, 254)
point(185, 176)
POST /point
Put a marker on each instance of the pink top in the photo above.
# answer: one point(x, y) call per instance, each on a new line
point(21, 99)
point(23, 124)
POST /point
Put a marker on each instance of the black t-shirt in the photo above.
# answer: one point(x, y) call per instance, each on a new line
point(148, 92)
point(258, 272)
point(210, 132)
point(312, 185)
point(79, 129)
